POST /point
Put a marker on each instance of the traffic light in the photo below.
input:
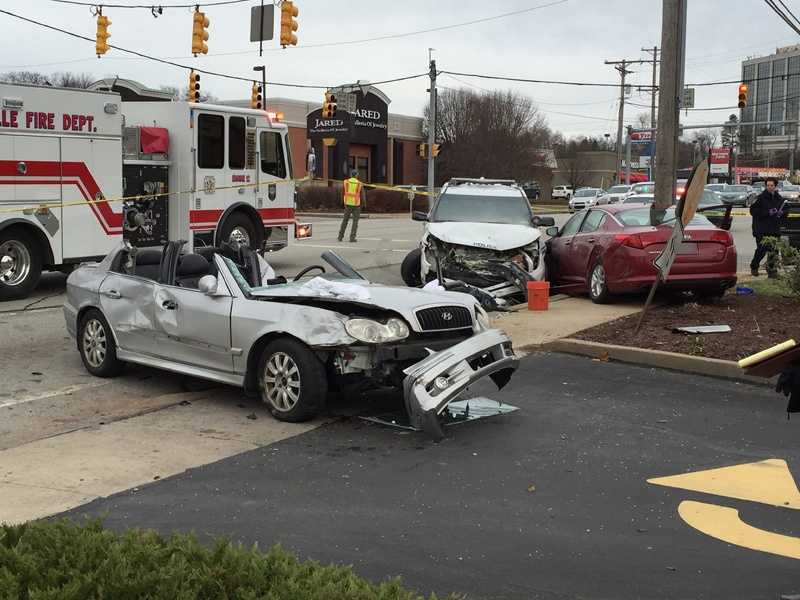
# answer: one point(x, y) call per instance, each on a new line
point(194, 87)
point(422, 150)
point(435, 149)
point(288, 23)
point(329, 106)
point(101, 46)
point(255, 97)
point(200, 25)
point(743, 95)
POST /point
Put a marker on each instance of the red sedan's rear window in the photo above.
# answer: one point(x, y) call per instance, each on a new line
point(640, 217)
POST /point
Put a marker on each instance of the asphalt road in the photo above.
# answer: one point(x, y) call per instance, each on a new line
point(382, 245)
point(548, 502)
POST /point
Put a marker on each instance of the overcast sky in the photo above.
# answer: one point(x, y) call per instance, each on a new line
point(567, 41)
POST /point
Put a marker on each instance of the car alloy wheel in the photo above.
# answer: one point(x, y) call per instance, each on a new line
point(598, 281)
point(282, 382)
point(15, 262)
point(95, 343)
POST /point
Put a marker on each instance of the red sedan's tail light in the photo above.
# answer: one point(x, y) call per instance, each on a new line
point(722, 237)
point(631, 240)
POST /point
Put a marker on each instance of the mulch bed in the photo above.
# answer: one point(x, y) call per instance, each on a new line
point(757, 322)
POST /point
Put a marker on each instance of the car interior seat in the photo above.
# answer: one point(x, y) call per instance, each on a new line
point(191, 268)
point(147, 263)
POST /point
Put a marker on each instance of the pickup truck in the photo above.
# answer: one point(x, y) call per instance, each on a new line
point(561, 191)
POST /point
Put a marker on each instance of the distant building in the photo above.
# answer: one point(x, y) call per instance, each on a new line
point(590, 168)
point(773, 96)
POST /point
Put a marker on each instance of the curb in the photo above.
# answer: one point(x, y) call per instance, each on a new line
point(711, 367)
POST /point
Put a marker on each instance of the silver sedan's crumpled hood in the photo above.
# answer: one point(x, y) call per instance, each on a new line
point(402, 300)
point(494, 236)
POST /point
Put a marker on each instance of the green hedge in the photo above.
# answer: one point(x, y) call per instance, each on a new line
point(66, 561)
point(322, 198)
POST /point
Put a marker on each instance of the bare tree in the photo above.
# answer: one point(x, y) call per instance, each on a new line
point(491, 134)
point(706, 139)
point(576, 170)
point(60, 79)
point(643, 120)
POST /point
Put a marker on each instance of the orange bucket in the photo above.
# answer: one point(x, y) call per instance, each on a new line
point(538, 295)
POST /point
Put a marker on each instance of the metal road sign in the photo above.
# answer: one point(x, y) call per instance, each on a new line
point(262, 23)
point(688, 98)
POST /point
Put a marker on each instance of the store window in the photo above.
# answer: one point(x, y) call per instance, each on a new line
point(210, 141)
point(360, 164)
point(273, 160)
point(237, 152)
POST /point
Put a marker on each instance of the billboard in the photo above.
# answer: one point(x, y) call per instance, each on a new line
point(719, 159)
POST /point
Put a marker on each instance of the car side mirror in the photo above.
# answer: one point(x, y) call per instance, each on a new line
point(551, 231)
point(207, 285)
point(543, 221)
point(418, 215)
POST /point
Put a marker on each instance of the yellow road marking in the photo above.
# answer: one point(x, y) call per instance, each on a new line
point(724, 524)
point(768, 482)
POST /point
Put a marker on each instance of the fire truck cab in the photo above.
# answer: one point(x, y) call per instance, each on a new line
point(185, 171)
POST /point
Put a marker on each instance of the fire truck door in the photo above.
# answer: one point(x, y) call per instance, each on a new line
point(278, 195)
point(92, 170)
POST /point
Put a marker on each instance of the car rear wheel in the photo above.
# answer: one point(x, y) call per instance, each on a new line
point(97, 346)
point(292, 381)
point(598, 285)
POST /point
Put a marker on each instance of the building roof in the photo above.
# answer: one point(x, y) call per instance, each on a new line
point(130, 90)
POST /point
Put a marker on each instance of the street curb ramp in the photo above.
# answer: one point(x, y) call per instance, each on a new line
point(710, 367)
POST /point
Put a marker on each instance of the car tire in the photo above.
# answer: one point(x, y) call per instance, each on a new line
point(97, 346)
point(598, 284)
point(20, 263)
point(292, 381)
point(239, 227)
point(411, 268)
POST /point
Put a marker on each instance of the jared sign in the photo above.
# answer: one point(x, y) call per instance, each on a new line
point(368, 118)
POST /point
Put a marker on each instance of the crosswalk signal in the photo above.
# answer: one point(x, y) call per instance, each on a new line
point(435, 150)
point(329, 106)
point(101, 46)
point(743, 88)
point(200, 25)
point(255, 97)
point(194, 87)
point(288, 23)
point(422, 150)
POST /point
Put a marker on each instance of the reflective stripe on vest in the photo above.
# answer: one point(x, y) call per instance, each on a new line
point(352, 192)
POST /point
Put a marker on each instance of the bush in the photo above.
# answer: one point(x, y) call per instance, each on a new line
point(65, 561)
point(788, 262)
point(315, 197)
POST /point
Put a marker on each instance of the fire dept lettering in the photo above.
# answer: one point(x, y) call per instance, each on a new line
point(11, 119)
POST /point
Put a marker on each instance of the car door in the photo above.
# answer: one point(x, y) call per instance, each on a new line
point(194, 328)
point(560, 248)
point(584, 243)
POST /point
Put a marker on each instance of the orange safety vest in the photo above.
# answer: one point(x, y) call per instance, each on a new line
point(352, 192)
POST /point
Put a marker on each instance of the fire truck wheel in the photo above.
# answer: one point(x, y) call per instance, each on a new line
point(20, 263)
point(240, 228)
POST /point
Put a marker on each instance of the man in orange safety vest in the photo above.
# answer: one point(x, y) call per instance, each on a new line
point(354, 194)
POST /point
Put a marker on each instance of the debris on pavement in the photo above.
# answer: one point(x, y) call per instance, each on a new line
point(702, 329)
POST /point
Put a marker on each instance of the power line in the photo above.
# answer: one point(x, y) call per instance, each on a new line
point(781, 14)
point(188, 67)
point(789, 10)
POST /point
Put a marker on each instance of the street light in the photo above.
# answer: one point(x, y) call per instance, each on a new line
point(608, 142)
point(263, 70)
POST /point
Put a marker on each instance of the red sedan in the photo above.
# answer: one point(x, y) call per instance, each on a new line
point(610, 250)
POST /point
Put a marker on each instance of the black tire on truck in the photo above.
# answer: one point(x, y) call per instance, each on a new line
point(20, 263)
point(411, 268)
point(292, 381)
point(239, 227)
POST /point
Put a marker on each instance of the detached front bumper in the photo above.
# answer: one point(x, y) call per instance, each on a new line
point(434, 382)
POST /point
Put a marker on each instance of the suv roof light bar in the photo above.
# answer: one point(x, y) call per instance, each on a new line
point(481, 180)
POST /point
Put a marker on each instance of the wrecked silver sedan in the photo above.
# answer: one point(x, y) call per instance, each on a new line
point(222, 315)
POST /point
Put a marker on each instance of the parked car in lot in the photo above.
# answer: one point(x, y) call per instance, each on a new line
point(645, 187)
point(561, 191)
point(789, 191)
point(532, 190)
point(211, 315)
point(584, 198)
point(482, 234)
point(640, 199)
point(614, 194)
point(609, 250)
point(737, 195)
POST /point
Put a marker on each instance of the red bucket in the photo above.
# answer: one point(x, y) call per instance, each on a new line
point(538, 295)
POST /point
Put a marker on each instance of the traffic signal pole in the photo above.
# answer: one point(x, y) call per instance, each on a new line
point(431, 131)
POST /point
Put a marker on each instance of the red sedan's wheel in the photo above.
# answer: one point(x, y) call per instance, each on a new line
point(598, 285)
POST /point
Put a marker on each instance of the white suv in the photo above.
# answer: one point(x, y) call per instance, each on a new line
point(561, 191)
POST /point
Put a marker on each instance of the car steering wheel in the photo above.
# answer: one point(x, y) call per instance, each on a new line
point(307, 269)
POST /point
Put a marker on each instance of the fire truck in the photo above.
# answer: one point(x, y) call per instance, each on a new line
point(184, 171)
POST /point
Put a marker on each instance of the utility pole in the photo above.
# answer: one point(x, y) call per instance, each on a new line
point(431, 128)
point(620, 66)
point(653, 92)
point(628, 157)
point(673, 44)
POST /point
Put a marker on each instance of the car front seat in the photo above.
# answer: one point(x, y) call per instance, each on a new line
point(190, 269)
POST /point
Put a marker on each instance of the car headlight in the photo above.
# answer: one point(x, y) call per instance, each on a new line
point(373, 332)
point(481, 319)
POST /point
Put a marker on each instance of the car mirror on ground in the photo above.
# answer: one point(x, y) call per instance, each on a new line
point(543, 221)
point(418, 215)
point(207, 285)
point(551, 231)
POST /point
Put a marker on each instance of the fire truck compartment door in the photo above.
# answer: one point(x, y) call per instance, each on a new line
point(92, 172)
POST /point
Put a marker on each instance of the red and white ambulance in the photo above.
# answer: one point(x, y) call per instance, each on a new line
point(198, 172)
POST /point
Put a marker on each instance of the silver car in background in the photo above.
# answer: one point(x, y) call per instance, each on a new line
point(614, 195)
point(584, 198)
point(210, 315)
